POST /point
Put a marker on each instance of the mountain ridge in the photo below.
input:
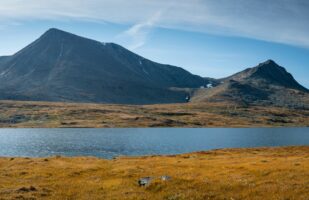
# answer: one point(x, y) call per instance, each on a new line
point(61, 66)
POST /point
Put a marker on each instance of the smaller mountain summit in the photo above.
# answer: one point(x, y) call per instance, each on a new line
point(268, 72)
point(272, 73)
point(267, 83)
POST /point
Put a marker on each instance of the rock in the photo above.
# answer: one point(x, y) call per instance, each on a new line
point(144, 181)
point(166, 178)
point(32, 188)
point(25, 189)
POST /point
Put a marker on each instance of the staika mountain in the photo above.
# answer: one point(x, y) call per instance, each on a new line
point(266, 84)
point(61, 66)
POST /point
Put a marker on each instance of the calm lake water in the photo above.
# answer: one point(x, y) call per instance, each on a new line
point(109, 143)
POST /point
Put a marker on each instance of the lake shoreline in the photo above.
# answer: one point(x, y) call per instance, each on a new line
point(274, 148)
point(239, 173)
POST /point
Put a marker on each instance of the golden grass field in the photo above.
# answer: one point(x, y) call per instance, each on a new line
point(53, 115)
point(231, 174)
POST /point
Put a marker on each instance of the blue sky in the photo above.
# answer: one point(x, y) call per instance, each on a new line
point(208, 38)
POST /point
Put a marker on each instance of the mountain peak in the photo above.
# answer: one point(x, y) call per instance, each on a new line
point(273, 73)
point(54, 30)
point(57, 37)
point(57, 32)
point(269, 73)
point(268, 64)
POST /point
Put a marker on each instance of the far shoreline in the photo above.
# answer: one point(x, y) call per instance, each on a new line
point(31, 114)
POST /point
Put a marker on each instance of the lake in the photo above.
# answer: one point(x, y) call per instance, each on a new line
point(109, 143)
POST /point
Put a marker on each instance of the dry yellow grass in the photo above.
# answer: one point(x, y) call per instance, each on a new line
point(262, 173)
point(52, 115)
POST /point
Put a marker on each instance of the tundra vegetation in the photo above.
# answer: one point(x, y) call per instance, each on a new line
point(203, 114)
point(258, 173)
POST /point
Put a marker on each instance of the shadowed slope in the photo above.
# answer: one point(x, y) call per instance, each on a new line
point(60, 66)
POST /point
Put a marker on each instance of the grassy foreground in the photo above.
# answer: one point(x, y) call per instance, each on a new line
point(261, 173)
point(53, 115)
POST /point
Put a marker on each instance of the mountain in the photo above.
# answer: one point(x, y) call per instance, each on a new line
point(60, 66)
point(3, 59)
point(269, 73)
point(266, 84)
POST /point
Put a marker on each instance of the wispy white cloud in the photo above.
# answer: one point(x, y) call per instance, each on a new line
point(283, 21)
point(7, 24)
point(138, 33)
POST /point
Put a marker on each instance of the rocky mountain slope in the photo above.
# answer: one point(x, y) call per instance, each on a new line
point(60, 66)
point(268, 83)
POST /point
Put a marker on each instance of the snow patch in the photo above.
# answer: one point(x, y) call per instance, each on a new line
point(209, 85)
point(4, 73)
point(140, 62)
point(61, 51)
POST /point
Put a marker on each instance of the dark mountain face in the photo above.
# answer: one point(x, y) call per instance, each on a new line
point(267, 73)
point(267, 83)
point(60, 66)
point(3, 59)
